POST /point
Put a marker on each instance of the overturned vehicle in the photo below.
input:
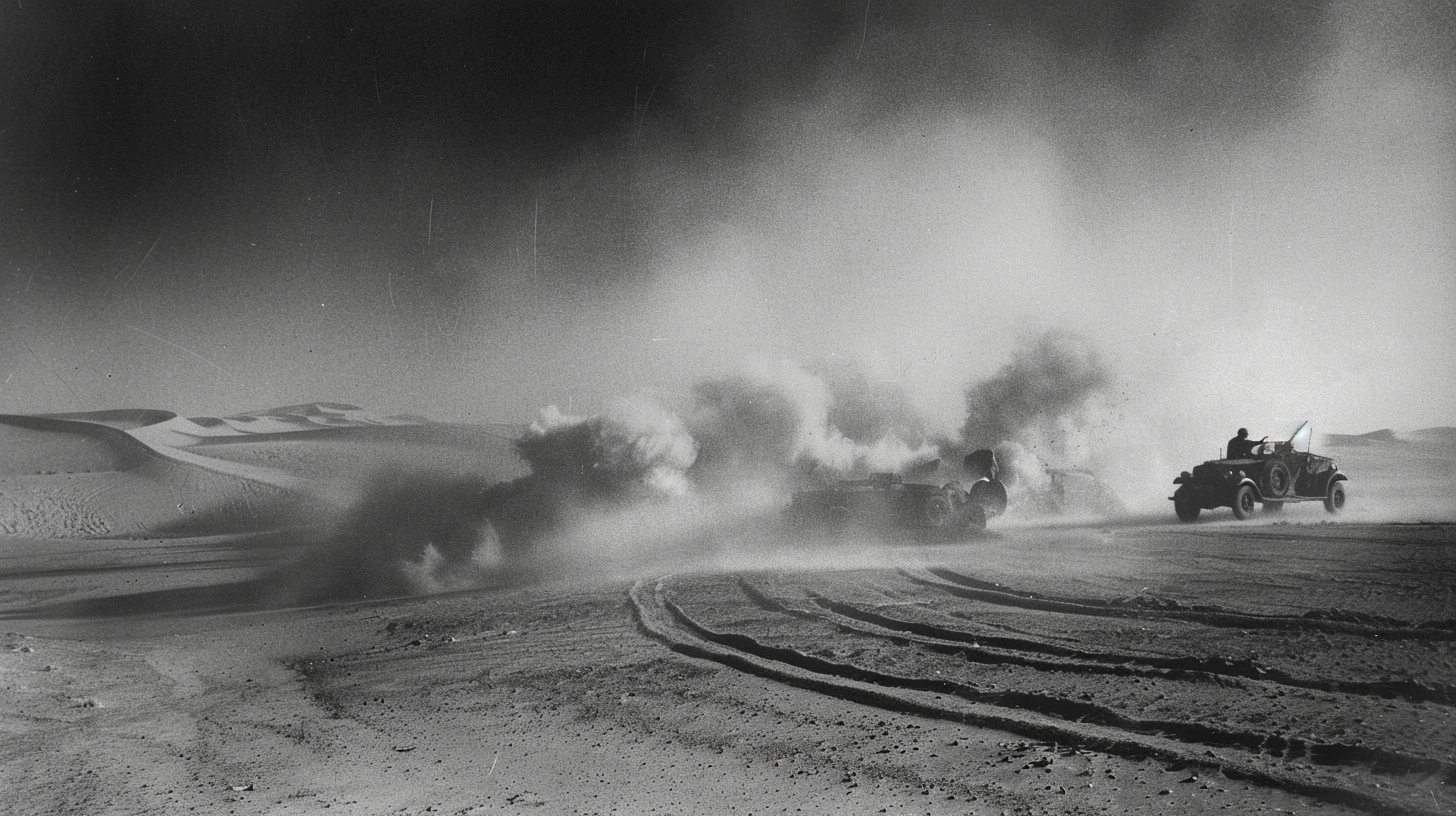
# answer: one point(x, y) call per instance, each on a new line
point(887, 503)
point(1274, 474)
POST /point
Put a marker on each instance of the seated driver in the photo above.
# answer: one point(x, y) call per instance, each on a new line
point(1241, 446)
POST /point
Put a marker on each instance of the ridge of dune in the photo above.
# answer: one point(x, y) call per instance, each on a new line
point(304, 409)
point(1382, 435)
point(119, 418)
point(174, 431)
point(1445, 434)
point(250, 424)
point(309, 416)
point(52, 444)
point(66, 478)
point(181, 432)
point(253, 473)
point(135, 448)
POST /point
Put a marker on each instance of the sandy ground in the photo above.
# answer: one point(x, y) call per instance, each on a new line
point(178, 639)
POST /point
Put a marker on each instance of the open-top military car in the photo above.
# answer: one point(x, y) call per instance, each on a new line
point(1273, 474)
point(886, 503)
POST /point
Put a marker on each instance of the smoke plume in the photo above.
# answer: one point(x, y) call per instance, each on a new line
point(1045, 391)
point(783, 421)
point(1040, 411)
point(407, 532)
point(634, 449)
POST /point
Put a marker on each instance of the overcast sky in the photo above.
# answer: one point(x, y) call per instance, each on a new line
point(473, 210)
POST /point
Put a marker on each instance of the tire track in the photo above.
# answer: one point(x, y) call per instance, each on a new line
point(1330, 621)
point(997, 650)
point(1268, 759)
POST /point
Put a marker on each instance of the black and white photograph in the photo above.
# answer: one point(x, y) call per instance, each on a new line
point(626, 407)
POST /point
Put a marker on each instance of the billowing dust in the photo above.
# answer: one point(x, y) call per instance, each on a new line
point(639, 486)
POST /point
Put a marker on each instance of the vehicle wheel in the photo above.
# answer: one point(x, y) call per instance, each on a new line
point(990, 496)
point(938, 512)
point(1273, 506)
point(1244, 502)
point(1185, 507)
point(1335, 499)
point(1276, 476)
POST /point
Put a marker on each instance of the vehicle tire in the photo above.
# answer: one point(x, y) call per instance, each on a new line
point(938, 512)
point(990, 496)
point(1277, 479)
point(1273, 506)
point(1244, 502)
point(1185, 507)
point(1335, 498)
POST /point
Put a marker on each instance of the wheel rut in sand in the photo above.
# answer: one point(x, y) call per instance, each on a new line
point(1001, 650)
point(1141, 607)
point(1233, 715)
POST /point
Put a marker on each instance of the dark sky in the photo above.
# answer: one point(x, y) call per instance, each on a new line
point(471, 210)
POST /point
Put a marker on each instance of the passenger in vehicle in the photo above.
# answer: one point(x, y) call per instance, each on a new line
point(1241, 446)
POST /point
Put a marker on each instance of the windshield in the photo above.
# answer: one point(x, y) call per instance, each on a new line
point(1299, 442)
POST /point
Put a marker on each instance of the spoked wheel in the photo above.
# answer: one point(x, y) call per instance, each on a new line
point(938, 512)
point(1277, 478)
point(1244, 502)
point(1335, 499)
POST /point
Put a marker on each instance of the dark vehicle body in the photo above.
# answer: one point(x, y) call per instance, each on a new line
point(1274, 474)
point(886, 503)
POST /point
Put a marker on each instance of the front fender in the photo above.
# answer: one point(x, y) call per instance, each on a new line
point(1258, 494)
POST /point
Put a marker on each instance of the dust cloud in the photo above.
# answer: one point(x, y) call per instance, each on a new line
point(1145, 188)
point(637, 484)
point(1047, 407)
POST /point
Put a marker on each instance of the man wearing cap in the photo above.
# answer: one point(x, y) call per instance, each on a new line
point(1241, 446)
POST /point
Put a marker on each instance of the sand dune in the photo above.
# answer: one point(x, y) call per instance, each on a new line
point(1442, 435)
point(170, 430)
point(119, 418)
point(1383, 435)
point(50, 445)
point(328, 414)
point(180, 432)
point(142, 473)
point(82, 476)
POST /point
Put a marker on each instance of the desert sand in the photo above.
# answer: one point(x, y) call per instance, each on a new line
point(295, 611)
